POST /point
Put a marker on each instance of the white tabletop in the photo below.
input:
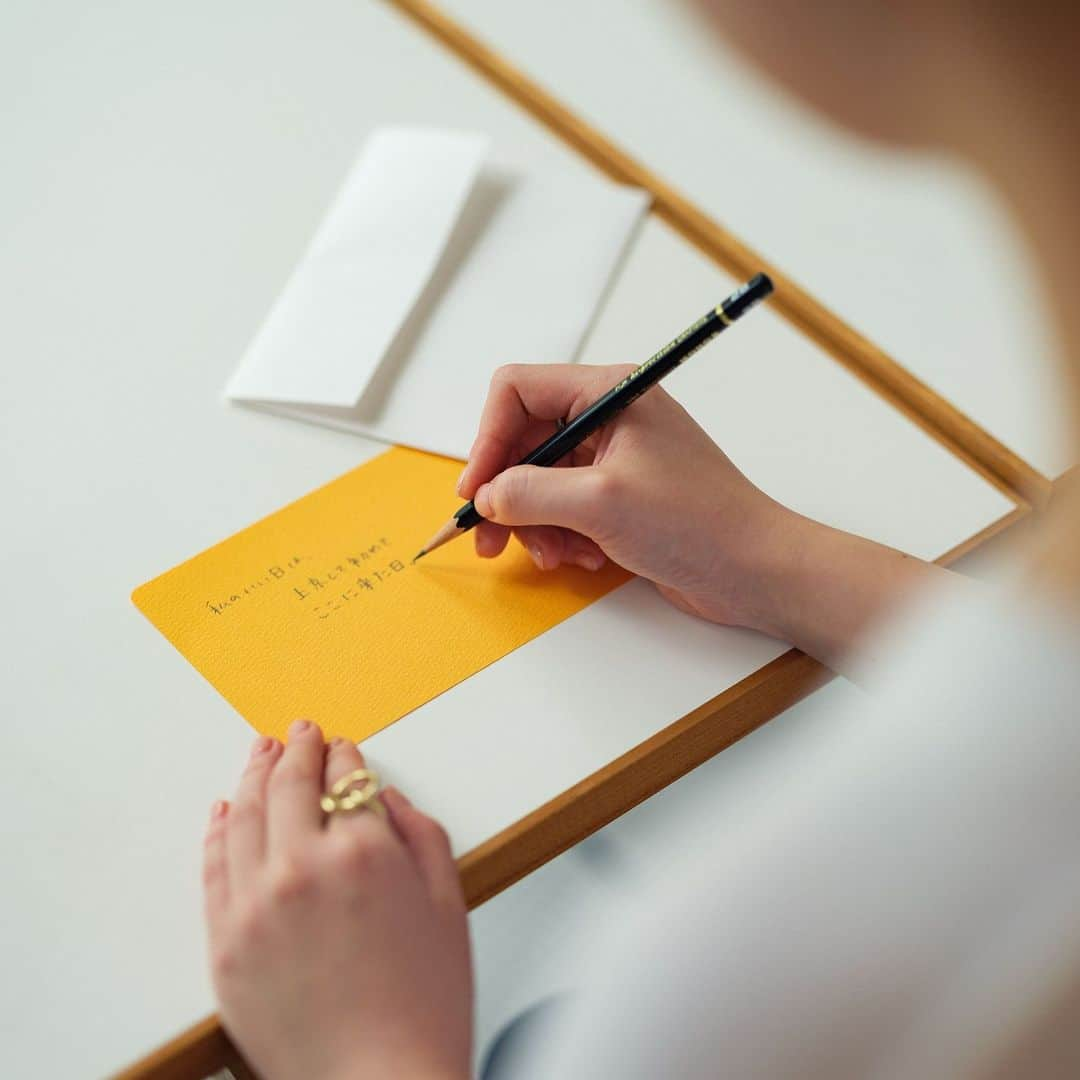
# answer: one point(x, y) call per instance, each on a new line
point(870, 232)
point(163, 169)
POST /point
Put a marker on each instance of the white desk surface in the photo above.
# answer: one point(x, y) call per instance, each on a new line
point(163, 169)
point(870, 232)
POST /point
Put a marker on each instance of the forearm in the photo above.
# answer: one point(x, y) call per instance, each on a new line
point(827, 590)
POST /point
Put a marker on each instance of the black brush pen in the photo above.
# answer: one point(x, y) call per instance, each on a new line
point(618, 397)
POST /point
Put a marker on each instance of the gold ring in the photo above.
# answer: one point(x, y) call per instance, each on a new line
point(358, 790)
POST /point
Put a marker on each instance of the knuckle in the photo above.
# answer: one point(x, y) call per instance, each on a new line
point(291, 880)
point(259, 765)
point(248, 811)
point(606, 487)
point(289, 775)
point(247, 929)
point(363, 853)
point(505, 375)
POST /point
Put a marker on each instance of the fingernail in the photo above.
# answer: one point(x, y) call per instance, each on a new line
point(482, 500)
point(589, 560)
point(298, 727)
point(261, 745)
point(217, 811)
point(538, 556)
point(336, 742)
point(461, 479)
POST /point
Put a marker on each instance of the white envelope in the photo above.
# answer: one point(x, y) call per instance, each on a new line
point(433, 267)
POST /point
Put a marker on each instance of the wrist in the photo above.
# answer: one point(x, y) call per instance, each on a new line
point(826, 589)
point(796, 565)
point(775, 579)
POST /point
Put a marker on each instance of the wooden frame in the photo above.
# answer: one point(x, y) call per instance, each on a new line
point(680, 747)
point(978, 448)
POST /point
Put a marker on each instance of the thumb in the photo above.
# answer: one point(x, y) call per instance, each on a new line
point(531, 495)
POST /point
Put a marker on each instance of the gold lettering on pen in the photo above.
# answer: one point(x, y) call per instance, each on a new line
point(656, 357)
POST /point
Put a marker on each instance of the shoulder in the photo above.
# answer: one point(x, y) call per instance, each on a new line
point(927, 823)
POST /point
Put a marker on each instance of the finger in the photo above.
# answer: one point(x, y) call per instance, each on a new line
point(491, 539)
point(494, 456)
point(576, 499)
point(295, 788)
point(245, 838)
point(519, 395)
point(566, 548)
point(215, 867)
point(429, 845)
point(343, 757)
point(583, 552)
point(544, 543)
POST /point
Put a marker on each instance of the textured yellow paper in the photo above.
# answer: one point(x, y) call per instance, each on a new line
point(317, 611)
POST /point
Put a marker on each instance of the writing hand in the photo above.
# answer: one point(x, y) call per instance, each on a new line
point(654, 493)
point(650, 491)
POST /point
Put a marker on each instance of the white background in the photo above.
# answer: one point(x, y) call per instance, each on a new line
point(163, 168)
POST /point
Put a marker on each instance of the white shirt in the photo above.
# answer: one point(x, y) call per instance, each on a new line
point(910, 908)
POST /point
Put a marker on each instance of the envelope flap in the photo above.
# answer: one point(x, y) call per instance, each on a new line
point(364, 270)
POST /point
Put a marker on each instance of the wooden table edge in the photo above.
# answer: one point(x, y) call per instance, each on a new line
point(942, 420)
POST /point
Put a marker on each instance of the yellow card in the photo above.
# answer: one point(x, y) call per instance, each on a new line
point(318, 612)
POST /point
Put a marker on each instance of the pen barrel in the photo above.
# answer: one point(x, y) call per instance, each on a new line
point(627, 391)
point(746, 296)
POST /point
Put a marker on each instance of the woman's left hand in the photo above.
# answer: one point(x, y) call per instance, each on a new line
point(338, 946)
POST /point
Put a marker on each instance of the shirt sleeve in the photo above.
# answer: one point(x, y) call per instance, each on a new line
point(866, 923)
